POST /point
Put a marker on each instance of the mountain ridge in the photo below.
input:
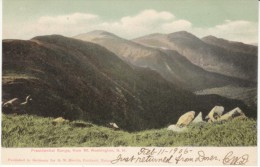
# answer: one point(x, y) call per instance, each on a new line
point(160, 60)
point(207, 56)
point(231, 45)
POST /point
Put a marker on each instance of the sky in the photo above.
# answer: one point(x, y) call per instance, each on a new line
point(230, 19)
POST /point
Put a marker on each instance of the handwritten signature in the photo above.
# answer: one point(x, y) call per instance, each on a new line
point(231, 159)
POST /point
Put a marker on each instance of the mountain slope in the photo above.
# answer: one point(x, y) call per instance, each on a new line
point(84, 81)
point(170, 64)
point(222, 60)
point(251, 50)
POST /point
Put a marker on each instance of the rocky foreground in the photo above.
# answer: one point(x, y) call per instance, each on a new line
point(214, 116)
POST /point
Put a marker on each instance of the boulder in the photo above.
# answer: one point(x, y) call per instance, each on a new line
point(113, 126)
point(236, 112)
point(215, 113)
point(186, 119)
point(198, 118)
point(175, 128)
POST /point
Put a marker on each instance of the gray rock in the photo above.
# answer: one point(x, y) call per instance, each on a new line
point(215, 113)
point(59, 120)
point(113, 126)
point(198, 118)
point(186, 119)
point(236, 112)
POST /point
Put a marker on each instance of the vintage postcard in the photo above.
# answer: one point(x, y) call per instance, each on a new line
point(123, 82)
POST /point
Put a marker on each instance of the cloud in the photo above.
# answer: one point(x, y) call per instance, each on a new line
point(64, 24)
point(145, 22)
point(237, 30)
point(75, 18)
point(178, 25)
point(147, 18)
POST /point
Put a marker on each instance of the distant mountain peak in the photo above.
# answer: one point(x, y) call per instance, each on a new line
point(209, 37)
point(100, 32)
point(96, 34)
point(182, 34)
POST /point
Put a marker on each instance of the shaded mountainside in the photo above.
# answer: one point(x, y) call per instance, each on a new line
point(168, 63)
point(251, 50)
point(212, 56)
point(84, 81)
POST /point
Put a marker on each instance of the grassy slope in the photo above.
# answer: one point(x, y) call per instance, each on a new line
point(33, 131)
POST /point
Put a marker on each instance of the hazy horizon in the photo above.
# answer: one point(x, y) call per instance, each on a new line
point(235, 20)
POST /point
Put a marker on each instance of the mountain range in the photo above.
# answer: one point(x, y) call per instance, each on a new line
point(210, 53)
point(111, 79)
point(169, 63)
point(159, 52)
